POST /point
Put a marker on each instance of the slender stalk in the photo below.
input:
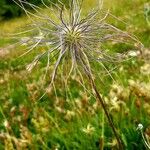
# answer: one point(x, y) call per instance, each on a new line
point(145, 141)
point(88, 71)
point(106, 112)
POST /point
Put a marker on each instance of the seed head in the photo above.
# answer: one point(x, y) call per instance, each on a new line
point(80, 38)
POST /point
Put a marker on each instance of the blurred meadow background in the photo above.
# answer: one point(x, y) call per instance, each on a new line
point(67, 117)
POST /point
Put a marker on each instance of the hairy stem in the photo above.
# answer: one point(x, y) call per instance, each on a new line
point(87, 69)
point(106, 112)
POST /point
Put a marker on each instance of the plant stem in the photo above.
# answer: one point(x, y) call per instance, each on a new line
point(145, 140)
point(106, 112)
point(102, 102)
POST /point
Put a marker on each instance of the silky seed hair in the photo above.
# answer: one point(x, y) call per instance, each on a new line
point(73, 40)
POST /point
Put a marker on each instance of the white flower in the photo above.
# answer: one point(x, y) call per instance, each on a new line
point(133, 53)
point(145, 69)
point(5, 123)
point(140, 127)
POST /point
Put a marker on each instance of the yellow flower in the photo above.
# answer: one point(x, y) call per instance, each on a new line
point(89, 129)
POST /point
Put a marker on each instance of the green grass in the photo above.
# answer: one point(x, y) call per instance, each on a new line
point(60, 118)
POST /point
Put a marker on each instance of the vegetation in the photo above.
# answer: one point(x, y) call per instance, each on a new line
point(68, 116)
point(8, 9)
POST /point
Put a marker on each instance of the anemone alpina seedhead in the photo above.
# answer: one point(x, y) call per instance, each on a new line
point(75, 42)
point(71, 34)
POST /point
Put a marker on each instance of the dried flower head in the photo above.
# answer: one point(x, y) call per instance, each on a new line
point(75, 42)
point(73, 36)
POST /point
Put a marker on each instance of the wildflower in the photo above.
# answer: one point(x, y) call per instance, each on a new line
point(78, 103)
point(59, 109)
point(145, 69)
point(6, 124)
point(140, 127)
point(140, 89)
point(146, 106)
point(76, 43)
point(3, 52)
point(133, 53)
point(78, 38)
point(2, 81)
point(89, 129)
point(96, 105)
point(113, 143)
point(69, 115)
